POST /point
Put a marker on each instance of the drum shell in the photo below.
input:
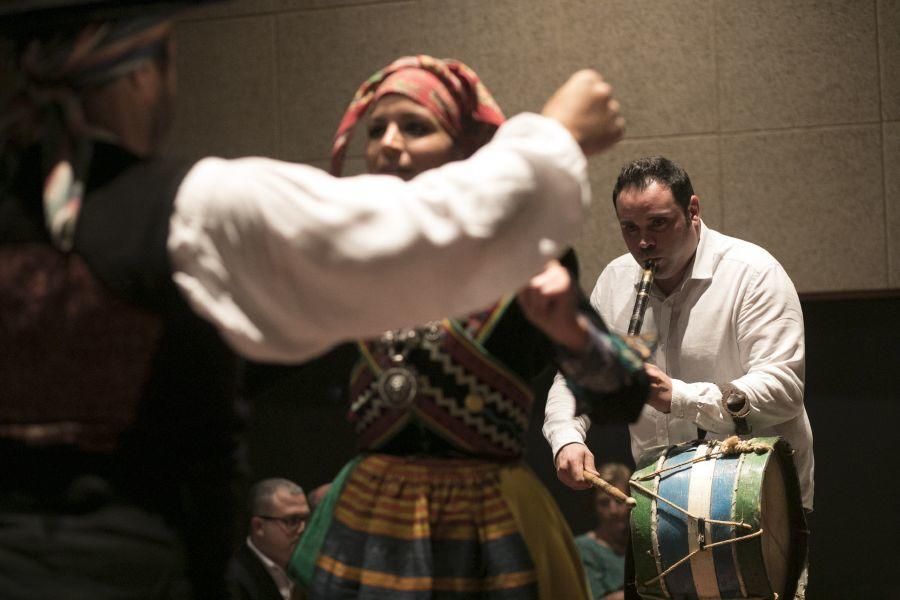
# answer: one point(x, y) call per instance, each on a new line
point(727, 488)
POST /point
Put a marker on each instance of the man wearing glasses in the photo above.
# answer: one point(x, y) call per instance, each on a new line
point(279, 512)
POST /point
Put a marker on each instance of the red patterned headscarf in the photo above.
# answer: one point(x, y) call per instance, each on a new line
point(450, 90)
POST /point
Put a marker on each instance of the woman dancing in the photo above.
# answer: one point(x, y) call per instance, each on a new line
point(439, 503)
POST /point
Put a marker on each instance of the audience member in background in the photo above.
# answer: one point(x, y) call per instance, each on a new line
point(278, 514)
point(603, 548)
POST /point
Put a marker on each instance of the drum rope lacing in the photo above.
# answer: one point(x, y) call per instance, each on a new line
point(727, 447)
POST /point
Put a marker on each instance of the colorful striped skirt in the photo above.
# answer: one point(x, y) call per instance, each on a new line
point(415, 528)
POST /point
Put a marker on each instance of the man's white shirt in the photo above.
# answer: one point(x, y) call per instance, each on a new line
point(736, 319)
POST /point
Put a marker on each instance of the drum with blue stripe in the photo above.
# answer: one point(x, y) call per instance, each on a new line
point(718, 520)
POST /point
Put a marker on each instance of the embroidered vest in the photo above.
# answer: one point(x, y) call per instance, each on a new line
point(459, 393)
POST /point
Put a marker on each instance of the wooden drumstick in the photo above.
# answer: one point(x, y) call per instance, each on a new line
point(608, 488)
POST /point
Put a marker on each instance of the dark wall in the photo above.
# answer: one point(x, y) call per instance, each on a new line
point(853, 365)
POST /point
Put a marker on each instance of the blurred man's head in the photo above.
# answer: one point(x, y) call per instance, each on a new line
point(279, 512)
point(86, 72)
point(108, 80)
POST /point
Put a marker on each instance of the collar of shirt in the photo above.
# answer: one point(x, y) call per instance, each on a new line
point(706, 257)
point(284, 583)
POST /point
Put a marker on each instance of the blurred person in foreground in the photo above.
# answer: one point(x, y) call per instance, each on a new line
point(129, 285)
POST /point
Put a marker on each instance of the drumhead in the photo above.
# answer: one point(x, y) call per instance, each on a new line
point(777, 539)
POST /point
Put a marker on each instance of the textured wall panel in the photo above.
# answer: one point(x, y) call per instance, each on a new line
point(889, 56)
point(601, 240)
point(892, 199)
point(323, 55)
point(814, 199)
point(784, 64)
point(226, 101)
point(234, 8)
point(658, 56)
point(512, 45)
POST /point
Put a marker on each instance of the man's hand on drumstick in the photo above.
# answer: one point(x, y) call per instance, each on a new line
point(550, 301)
point(571, 462)
point(585, 106)
point(660, 396)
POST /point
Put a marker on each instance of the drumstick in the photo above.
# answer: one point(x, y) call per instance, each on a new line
point(608, 488)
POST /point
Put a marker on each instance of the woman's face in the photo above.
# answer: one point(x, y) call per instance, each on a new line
point(405, 139)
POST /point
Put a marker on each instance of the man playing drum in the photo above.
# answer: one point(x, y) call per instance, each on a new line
point(727, 324)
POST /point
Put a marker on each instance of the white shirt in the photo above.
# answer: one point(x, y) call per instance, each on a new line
point(287, 260)
point(282, 581)
point(736, 318)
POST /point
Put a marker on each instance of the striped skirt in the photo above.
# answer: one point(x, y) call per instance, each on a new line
point(414, 528)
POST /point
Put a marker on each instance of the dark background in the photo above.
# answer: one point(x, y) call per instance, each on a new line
point(853, 363)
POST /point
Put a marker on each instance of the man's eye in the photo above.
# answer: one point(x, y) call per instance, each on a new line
point(629, 228)
point(658, 223)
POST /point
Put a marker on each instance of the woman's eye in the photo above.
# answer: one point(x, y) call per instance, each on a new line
point(416, 128)
point(376, 131)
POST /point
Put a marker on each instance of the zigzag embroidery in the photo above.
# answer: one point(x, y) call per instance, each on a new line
point(464, 378)
point(483, 428)
point(375, 408)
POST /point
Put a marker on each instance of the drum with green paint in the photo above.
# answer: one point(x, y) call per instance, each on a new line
point(718, 520)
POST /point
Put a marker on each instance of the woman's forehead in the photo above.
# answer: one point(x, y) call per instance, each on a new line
point(396, 104)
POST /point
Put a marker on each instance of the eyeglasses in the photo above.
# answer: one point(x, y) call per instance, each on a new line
point(290, 522)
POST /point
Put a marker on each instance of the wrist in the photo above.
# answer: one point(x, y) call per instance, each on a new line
point(574, 339)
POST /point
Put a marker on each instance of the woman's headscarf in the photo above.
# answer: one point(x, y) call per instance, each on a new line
point(449, 89)
point(46, 107)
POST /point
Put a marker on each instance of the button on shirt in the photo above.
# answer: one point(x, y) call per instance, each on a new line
point(736, 319)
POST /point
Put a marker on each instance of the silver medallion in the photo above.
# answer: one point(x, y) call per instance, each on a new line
point(397, 386)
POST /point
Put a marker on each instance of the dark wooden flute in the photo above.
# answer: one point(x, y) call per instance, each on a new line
point(643, 296)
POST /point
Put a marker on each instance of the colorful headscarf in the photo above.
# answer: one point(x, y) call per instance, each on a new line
point(46, 107)
point(450, 90)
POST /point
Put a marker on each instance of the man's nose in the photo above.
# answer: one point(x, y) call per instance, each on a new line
point(647, 243)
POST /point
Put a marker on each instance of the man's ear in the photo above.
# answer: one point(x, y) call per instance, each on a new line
point(256, 525)
point(694, 208)
point(144, 81)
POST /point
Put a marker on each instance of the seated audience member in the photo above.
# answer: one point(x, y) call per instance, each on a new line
point(279, 511)
point(603, 548)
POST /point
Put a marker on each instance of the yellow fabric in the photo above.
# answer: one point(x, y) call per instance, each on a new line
point(547, 535)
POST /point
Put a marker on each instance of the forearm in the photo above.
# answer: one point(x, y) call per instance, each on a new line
point(771, 400)
point(561, 425)
point(607, 378)
point(287, 260)
point(770, 363)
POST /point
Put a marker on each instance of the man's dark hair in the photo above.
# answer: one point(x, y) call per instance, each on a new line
point(642, 172)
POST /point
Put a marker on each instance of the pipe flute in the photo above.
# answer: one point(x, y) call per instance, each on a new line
point(643, 296)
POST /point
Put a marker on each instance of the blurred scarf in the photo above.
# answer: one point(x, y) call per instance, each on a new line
point(46, 106)
point(449, 89)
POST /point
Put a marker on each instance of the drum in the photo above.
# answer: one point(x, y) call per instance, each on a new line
point(718, 519)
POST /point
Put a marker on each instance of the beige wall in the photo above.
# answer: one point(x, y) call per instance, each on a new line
point(786, 114)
